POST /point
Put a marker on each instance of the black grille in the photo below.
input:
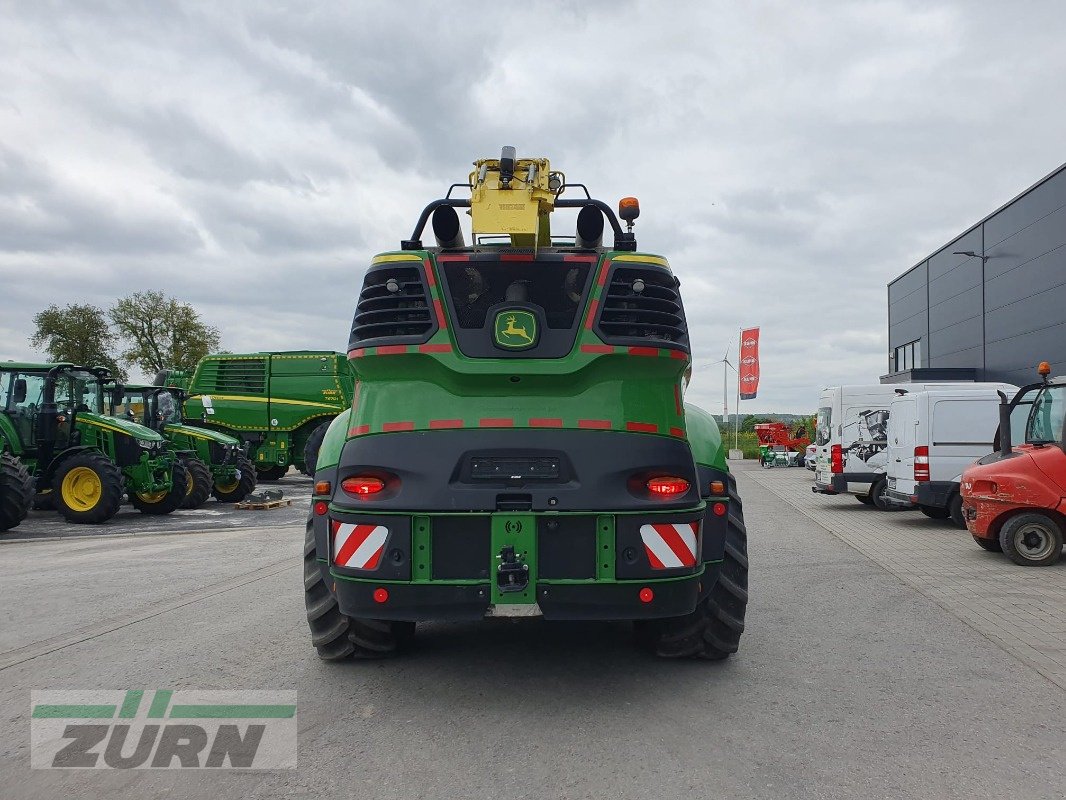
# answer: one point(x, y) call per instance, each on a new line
point(393, 306)
point(651, 315)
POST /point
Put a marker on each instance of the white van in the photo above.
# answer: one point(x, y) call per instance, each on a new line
point(851, 436)
point(932, 437)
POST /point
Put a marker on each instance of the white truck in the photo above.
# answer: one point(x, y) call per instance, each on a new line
point(933, 436)
point(851, 435)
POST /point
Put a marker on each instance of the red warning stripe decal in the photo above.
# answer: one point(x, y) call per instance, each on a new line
point(596, 424)
point(642, 427)
point(429, 274)
point(389, 427)
point(436, 424)
point(671, 545)
point(592, 314)
point(435, 348)
point(358, 546)
point(651, 352)
point(597, 348)
point(391, 349)
point(678, 432)
point(359, 430)
point(496, 422)
point(545, 422)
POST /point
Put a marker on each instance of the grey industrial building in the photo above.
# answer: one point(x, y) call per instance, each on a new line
point(993, 315)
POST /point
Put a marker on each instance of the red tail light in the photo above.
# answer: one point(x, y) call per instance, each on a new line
point(836, 457)
point(362, 485)
point(921, 464)
point(668, 486)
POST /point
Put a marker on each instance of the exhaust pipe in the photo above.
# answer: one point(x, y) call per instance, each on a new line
point(1003, 435)
point(589, 228)
point(446, 228)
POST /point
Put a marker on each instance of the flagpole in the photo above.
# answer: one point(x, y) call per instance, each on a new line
point(736, 425)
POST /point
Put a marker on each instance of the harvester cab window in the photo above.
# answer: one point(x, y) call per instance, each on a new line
point(1049, 412)
point(476, 286)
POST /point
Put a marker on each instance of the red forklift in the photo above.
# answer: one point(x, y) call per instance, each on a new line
point(1014, 499)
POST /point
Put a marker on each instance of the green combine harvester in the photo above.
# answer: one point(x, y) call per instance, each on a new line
point(518, 444)
point(277, 404)
point(215, 463)
point(54, 419)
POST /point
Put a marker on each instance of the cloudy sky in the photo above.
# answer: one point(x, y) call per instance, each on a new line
point(249, 158)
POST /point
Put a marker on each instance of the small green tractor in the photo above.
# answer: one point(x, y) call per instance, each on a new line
point(277, 404)
point(215, 463)
point(53, 418)
point(518, 444)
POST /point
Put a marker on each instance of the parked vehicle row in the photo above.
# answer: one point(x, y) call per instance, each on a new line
point(930, 446)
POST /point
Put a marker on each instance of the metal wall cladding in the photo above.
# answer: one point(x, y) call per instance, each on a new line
point(1001, 317)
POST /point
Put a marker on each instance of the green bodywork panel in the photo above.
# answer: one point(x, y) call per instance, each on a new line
point(329, 455)
point(705, 438)
point(271, 400)
point(198, 441)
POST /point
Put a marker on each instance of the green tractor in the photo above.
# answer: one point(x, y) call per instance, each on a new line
point(214, 462)
point(278, 404)
point(53, 418)
point(518, 445)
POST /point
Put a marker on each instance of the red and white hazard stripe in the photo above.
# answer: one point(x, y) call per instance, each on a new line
point(358, 546)
point(670, 545)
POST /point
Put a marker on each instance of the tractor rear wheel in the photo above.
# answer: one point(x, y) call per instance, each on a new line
point(935, 512)
point(272, 473)
point(335, 636)
point(314, 443)
point(165, 501)
point(1031, 540)
point(16, 492)
point(713, 630)
point(199, 483)
point(87, 488)
point(241, 486)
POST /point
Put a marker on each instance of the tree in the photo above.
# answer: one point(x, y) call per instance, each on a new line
point(161, 332)
point(78, 333)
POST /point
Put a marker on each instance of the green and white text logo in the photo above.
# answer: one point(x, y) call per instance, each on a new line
point(163, 729)
point(516, 329)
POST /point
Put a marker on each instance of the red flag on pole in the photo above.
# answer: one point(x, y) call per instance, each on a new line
point(749, 363)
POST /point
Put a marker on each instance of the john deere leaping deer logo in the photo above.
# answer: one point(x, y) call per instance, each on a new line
point(516, 329)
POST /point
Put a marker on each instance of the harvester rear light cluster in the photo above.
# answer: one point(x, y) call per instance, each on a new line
point(921, 464)
point(362, 485)
point(836, 459)
point(667, 486)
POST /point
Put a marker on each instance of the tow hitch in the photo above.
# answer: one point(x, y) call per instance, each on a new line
point(512, 574)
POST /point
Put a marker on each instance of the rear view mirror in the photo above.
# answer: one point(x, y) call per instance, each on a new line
point(18, 393)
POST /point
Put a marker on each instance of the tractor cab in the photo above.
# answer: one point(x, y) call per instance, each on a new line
point(151, 406)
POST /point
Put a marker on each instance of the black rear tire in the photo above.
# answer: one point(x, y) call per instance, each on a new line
point(169, 502)
point(935, 512)
point(314, 442)
point(713, 630)
point(1031, 540)
point(335, 636)
point(199, 482)
point(244, 485)
point(106, 504)
point(16, 492)
point(879, 496)
point(991, 545)
point(955, 511)
point(273, 473)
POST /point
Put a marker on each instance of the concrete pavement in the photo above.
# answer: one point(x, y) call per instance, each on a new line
point(849, 683)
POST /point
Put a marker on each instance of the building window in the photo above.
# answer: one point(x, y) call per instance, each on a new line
point(908, 356)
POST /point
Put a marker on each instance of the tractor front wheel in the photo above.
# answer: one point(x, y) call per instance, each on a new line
point(164, 501)
point(240, 487)
point(713, 630)
point(199, 482)
point(87, 488)
point(1031, 540)
point(16, 492)
point(335, 636)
